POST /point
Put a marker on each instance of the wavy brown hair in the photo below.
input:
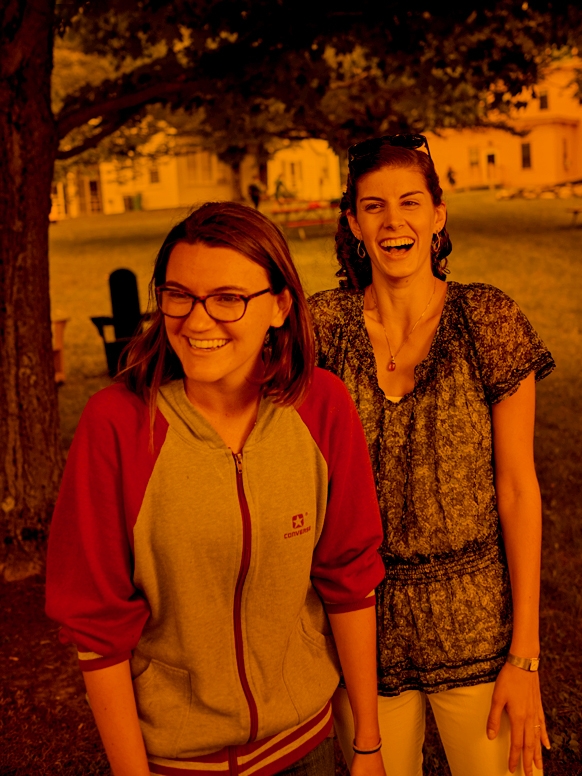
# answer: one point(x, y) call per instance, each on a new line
point(149, 361)
point(354, 271)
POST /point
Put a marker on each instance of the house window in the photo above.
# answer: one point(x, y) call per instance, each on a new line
point(94, 197)
point(526, 156)
point(154, 174)
point(199, 167)
point(295, 175)
point(544, 101)
point(491, 160)
point(473, 156)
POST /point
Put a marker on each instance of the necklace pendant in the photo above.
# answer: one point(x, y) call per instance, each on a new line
point(392, 365)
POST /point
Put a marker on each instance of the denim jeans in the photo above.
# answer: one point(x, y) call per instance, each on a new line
point(319, 762)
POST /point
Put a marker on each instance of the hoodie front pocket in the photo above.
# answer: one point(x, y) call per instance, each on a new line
point(163, 696)
point(310, 670)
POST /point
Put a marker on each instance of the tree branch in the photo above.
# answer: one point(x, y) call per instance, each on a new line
point(135, 99)
point(93, 141)
point(348, 83)
point(157, 80)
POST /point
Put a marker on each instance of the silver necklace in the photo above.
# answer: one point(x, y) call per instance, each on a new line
point(392, 363)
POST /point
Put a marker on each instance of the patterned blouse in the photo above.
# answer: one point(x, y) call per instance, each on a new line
point(444, 608)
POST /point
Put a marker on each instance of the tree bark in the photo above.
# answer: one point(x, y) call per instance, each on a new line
point(238, 195)
point(30, 449)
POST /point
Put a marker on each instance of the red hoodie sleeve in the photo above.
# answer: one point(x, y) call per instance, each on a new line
point(346, 563)
point(89, 586)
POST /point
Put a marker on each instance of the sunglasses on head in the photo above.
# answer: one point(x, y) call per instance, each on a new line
point(373, 145)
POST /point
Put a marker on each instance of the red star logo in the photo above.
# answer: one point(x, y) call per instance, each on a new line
point(298, 521)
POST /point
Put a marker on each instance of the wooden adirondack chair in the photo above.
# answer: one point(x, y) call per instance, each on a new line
point(116, 330)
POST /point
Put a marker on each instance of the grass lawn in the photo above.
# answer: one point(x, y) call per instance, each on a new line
point(528, 249)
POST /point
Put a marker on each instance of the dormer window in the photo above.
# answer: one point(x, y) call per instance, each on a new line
point(154, 173)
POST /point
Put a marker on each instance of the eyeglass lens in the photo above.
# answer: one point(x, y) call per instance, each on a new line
point(221, 307)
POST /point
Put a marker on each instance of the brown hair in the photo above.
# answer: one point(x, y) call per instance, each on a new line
point(354, 271)
point(149, 360)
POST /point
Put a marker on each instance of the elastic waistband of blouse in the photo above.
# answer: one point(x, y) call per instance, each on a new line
point(473, 557)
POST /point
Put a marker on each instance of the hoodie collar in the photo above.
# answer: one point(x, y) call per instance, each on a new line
point(185, 419)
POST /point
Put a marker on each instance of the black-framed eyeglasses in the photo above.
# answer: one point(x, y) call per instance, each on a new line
point(371, 146)
point(224, 307)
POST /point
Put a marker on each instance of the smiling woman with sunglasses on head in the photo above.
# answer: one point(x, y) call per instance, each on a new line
point(217, 515)
point(443, 376)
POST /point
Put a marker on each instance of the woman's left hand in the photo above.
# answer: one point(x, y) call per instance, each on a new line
point(518, 692)
point(367, 765)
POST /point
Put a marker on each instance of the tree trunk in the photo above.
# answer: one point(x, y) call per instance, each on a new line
point(30, 450)
point(262, 156)
point(237, 193)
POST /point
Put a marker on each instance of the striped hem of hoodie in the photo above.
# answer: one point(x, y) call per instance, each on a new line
point(259, 758)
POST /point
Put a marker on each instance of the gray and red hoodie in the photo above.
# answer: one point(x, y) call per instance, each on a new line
point(208, 570)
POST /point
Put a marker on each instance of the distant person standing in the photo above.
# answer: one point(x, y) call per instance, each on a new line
point(279, 189)
point(255, 191)
point(451, 176)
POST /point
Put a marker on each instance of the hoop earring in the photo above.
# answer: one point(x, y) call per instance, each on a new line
point(436, 242)
point(361, 250)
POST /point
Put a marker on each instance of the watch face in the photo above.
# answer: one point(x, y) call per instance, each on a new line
point(525, 663)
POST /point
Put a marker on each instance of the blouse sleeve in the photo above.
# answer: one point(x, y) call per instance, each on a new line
point(507, 347)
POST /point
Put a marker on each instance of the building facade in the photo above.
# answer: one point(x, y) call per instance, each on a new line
point(305, 170)
point(545, 151)
point(308, 170)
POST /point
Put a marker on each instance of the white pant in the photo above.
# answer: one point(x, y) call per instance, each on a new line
point(461, 717)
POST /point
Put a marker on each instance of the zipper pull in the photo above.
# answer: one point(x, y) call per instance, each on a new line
point(238, 461)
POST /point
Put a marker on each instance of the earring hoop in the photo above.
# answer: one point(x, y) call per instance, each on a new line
point(436, 242)
point(361, 250)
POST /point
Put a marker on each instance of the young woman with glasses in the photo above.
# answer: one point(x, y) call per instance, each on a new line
point(217, 514)
point(443, 377)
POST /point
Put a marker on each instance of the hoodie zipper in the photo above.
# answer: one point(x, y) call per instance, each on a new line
point(237, 615)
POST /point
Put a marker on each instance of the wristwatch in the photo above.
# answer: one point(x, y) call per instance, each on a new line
point(526, 663)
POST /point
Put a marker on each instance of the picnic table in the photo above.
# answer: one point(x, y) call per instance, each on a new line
point(300, 215)
point(575, 213)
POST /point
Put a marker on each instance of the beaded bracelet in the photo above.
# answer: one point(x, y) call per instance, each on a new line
point(367, 751)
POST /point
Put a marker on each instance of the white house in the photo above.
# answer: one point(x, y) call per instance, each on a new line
point(547, 151)
point(307, 170)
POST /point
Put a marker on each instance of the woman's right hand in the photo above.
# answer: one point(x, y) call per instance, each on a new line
point(112, 701)
point(367, 765)
point(518, 692)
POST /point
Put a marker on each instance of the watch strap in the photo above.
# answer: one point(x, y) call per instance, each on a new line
point(525, 663)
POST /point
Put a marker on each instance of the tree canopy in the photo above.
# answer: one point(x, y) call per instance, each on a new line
point(293, 69)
